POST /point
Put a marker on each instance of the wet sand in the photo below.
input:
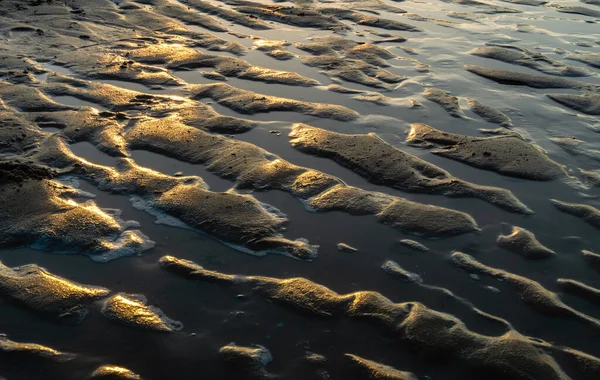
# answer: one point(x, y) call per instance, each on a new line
point(299, 189)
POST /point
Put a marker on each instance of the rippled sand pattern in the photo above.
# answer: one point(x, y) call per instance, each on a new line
point(308, 189)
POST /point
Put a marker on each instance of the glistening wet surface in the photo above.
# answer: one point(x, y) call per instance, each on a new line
point(305, 189)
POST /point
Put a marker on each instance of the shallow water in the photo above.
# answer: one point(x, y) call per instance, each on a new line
point(91, 104)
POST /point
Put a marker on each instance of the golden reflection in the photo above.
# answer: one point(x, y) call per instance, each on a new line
point(131, 309)
point(112, 371)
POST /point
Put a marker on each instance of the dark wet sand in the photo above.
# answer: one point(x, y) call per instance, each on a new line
point(54, 53)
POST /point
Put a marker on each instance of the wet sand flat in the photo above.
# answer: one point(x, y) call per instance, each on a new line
point(307, 189)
